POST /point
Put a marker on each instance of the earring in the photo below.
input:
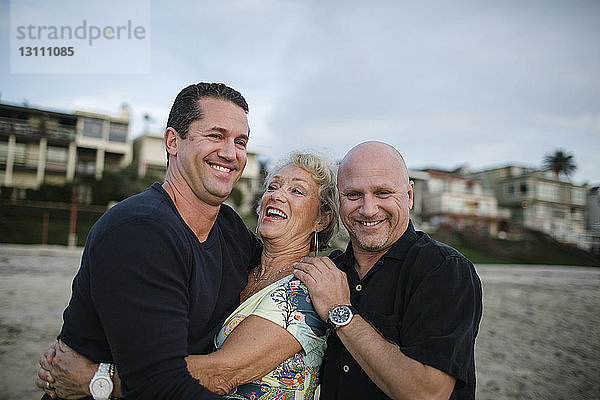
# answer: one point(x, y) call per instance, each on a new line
point(316, 245)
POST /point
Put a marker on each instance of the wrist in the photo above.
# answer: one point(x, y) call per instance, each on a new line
point(101, 386)
point(90, 372)
point(340, 315)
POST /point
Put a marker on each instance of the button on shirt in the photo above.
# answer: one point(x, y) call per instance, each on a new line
point(424, 296)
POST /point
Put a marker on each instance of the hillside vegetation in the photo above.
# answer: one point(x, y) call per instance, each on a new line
point(527, 247)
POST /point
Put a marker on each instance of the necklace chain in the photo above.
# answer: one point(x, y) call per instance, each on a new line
point(258, 278)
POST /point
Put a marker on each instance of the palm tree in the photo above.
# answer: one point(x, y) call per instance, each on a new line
point(560, 162)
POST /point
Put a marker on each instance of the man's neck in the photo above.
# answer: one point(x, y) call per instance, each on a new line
point(364, 260)
point(198, 216)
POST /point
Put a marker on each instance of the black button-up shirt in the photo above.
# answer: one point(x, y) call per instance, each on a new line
point(423, 295)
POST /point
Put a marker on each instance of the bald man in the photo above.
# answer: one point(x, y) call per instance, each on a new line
point(405, 308)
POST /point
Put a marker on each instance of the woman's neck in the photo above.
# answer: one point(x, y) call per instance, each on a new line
point(274, 266)
point(273, 260)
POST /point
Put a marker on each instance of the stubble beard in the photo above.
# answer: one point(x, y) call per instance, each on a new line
point(367, 242)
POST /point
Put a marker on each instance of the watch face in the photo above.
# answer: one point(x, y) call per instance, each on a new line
point(101, 387)
point(340, 315)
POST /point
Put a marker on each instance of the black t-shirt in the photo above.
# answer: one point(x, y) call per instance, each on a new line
point(424, 296)
point(148, 293)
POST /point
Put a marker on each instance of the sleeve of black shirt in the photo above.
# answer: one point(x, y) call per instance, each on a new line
point(139, 286)
point(442, 318)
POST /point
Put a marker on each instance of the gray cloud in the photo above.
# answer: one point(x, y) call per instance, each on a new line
point(449, 83)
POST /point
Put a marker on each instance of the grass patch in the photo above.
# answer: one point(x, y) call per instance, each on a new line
point(24, 224)
point(530, 247)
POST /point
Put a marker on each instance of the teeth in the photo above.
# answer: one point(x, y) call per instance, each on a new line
point(274, 211)
point(369, 223)
point(219, 168)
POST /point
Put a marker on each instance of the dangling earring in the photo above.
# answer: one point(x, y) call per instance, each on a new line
point(316, 246)
point(257, 220)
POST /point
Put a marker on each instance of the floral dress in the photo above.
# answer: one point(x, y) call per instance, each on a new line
point(286, 303)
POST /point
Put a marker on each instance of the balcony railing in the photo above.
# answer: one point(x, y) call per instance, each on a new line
point(20, 127)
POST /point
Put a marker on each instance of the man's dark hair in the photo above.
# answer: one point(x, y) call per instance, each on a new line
point(186, 108)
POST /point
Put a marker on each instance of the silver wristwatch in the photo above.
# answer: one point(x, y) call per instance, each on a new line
point(101, 385)
point(340, 315)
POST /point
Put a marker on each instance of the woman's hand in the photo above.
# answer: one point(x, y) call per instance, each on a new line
point(68, 372)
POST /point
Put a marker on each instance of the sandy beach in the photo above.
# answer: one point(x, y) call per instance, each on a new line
point(539, 337)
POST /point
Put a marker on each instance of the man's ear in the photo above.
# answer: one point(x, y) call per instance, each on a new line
point(411, 193)
point(324, 221)
point(171, 141)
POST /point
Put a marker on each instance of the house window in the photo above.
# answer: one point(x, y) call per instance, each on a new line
point(558, 214)
point(21, 154)
point(523, 187)
point(3, 151)
point(547, 192)
point(577, 196)
point(117, 133)
point(92, 128)
point(56, 154)
point(435, 186)
point(540, 211)
point(510, 190)
point(576, 214)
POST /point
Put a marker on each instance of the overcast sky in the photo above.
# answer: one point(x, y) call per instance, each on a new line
point(481, 83)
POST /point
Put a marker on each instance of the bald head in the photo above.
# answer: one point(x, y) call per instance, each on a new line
point(375, 197)
point(374, 155)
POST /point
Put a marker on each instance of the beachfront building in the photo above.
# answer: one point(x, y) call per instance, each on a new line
point(36, 146)
point(149, 154)
point(41, 146)
point(420, 179)
point(592, 215)
point(103, 142)
point(538, 200)
point(459, 200)
point(592, 219)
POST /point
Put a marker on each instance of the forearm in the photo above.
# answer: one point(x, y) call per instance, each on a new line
point(203, 368)
point(254, 348)
point(217, 375)
point(398, 376)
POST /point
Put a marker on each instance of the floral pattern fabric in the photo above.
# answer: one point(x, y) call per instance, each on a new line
point(285, 302)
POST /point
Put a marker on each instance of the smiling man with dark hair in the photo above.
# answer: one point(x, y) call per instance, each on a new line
point(161, 270)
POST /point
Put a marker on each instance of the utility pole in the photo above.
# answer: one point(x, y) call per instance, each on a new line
point(45, 220)
point(73, 221)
